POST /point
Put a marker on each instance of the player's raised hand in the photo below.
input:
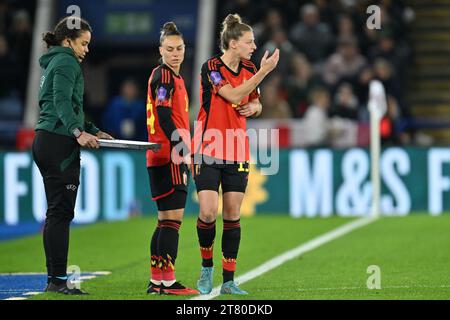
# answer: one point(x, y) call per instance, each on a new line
point(264, 58)
point(269, 63)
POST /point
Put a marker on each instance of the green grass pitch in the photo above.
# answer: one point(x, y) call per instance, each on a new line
point(412, 253)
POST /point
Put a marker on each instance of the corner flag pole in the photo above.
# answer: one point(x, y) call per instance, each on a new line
point(377, 108)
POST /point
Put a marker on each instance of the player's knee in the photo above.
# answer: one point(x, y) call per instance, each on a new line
point(231, 209)
point(231, 215)
point(208, 215)
point(176, 214)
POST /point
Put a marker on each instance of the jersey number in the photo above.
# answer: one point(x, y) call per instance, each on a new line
point(244, 167)
point(151, 119)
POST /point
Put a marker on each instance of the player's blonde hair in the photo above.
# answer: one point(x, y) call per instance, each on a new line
point(232, 29)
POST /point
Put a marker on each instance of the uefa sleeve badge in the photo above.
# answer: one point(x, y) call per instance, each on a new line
point(216, 77)
point(162, 93)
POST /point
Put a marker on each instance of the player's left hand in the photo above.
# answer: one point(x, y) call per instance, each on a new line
point(104, 135)
point(249, 109)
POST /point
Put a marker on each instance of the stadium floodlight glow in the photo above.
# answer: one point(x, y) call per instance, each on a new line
point(377, 108)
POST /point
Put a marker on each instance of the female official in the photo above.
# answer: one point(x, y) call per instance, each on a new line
point(60, 131)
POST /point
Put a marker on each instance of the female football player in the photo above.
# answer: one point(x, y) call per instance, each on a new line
point(168, 169)
point(229, 95)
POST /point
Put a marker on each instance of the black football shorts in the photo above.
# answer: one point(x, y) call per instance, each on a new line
point(232, 176)
point(168, 184)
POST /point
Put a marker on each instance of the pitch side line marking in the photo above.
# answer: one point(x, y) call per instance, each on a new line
point(359, 288)
point(293, 253)
point(25, 295)
point(100, 273)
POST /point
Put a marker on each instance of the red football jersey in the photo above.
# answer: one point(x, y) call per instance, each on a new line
point(166, 89)
point(220, 131)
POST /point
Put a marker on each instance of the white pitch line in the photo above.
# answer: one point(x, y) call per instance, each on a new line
point(101, 273)
point(360, 288)
point(33, 293)
point(23, 273)
point(293, 253)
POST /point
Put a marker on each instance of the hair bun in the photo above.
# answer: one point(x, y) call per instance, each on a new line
point(232, 29)
point(50, 38)
point(231, 20)
point(170, 27)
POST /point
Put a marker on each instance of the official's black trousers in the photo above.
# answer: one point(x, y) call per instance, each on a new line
point(58, 160)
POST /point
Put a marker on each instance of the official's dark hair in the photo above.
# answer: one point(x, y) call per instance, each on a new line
point(169, 29)
point(232, 29)
point(66, 28)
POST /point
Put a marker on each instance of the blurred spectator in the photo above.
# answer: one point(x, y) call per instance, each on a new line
point(345, 104)
point(250, 11)
point(391, 18)
point(274, 107)
point(350, 26)
point(4, 19)
point(386, 49)
point(7, 67)
point(310, 36)
point(345, 63)
point(10, 104)
point(125, 117)
point(327, 11)
point(391, 125)
point(278, 39)
point(385, 73)
point(300, 83)
point(288, 9)
point(20, 47)
point(394, 18)
point(345, 27)
point(263, 30)
point(316, 119)
point(361, 85)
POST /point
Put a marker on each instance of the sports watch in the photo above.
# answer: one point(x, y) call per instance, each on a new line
point(77, 132)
